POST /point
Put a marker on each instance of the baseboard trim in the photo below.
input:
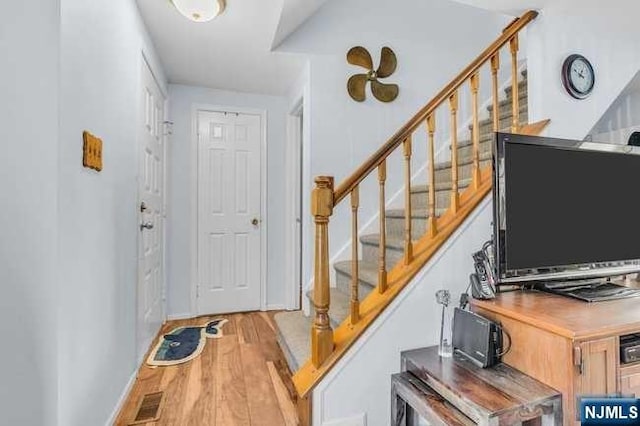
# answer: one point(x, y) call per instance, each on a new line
point(277, 307)
point(123, 397)
point(184, 316)
point(174, 317)
point(359, 420)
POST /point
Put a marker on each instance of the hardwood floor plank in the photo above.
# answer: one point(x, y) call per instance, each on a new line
point(287, 407)
point(285, 376)
point(264, 331)
point(203, 411)
point(245, 329)
point(263, 404)
point(271, 350)
point(229, 384)
point(232, 407)
point(175, 390)
point(148, 380)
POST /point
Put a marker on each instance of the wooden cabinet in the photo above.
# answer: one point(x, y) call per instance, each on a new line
point(630, 380)
point(570, 345)
point(597, 362)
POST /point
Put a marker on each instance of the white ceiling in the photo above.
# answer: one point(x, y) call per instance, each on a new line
point(294, 14)
point(233, 51)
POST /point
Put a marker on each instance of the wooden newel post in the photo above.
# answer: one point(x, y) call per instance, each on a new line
point(321, 332)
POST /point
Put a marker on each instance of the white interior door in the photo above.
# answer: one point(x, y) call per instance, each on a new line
point(229, 206)
point(151, 211)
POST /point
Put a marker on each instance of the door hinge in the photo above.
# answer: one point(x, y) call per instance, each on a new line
point(577, 358)
point(197, 291)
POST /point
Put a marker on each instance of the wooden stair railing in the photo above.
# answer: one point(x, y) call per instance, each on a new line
point(328, 346)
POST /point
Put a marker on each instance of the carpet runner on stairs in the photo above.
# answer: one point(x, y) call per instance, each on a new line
point(294, 328)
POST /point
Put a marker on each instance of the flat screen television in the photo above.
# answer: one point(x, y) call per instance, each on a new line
point(564, 209)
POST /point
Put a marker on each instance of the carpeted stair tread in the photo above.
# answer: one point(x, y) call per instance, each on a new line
point(416, 213)
point(447, 164)
point(522, 87)
point(501, 116)
point(522, 100)
point(294, 337)
point(392, 241)
point(440, 186)
point(339, 305)
point(484, 140)
point(367, 271)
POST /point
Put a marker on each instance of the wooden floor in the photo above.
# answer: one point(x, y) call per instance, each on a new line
point(239, 379)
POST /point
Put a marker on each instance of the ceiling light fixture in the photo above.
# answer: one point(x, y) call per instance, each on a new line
point(199, 10)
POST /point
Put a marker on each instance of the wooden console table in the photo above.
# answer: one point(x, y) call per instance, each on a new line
point(570, 345)
point(454, 391)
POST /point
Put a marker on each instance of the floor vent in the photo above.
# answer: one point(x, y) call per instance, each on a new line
point(149, 408)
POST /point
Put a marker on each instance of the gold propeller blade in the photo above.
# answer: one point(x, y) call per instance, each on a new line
point(388, 63)
point(384, 92)
point(360, 56)
point(356, 86)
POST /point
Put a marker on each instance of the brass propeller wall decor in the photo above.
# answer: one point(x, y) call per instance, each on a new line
point(358, 82)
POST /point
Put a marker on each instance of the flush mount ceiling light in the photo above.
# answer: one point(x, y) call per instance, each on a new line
point(199, 10)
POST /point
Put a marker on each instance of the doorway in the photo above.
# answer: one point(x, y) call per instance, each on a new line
point(230, 220)
point(151, 198)
point(295, 169)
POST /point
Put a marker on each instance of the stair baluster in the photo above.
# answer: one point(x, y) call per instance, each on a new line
point(495, 66)
point(515, 107)
point(455, 198)
point(355, 278)
point(475, 176)
point(321, 332)
point(408, 243)
point(382, 248)
point(431, 163)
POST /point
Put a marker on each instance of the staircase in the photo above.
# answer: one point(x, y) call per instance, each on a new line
point(382, 264)
point(293, 327)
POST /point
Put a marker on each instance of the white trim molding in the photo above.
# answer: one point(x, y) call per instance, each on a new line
point(193, 180)
point(294, 189)
point(123, 397)
point(183, 316)
point(358, 420)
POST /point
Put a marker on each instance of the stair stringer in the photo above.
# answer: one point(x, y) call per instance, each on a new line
point(359, 382)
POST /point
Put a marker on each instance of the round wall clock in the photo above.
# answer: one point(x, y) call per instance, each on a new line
point(578, 77)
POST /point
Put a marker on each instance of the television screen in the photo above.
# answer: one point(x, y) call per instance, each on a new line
point(565, 207)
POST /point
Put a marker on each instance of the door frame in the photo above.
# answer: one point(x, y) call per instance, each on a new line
point(195, 109)
point(294, 172)
point(165, 140)
point(300, 254)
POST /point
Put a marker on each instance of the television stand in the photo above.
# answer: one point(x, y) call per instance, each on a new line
point(567, 344)
point(590, 290)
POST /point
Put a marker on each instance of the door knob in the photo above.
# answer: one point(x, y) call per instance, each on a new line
point(146, 225)
point(255, 221)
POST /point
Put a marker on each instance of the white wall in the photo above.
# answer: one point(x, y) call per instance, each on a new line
point(360, 382)
point(29, 47)
point(621, 119)
point(343, 132)
point(180, 171)
point(101, 55)
point(607, 36)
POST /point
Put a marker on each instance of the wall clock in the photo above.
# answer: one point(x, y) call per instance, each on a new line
point(578, 77)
